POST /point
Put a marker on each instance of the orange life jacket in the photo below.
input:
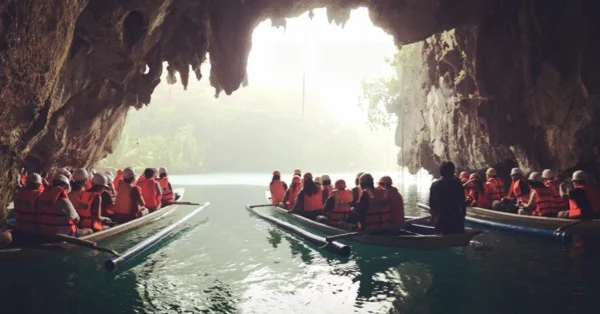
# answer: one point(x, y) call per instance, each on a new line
point(49, 217)
point(25, 211)
point(75, 197)
point(341, 206)
point(292, 195)
point(558, 202)
point(151, 198)
point(496, 188)
point(167, 193)
point(574, 210)
point(545, 204)
point(277, 191)
point(124, 204)
point(313, 202)
point(379, 214)
point(89, 218)
point(593, 195)
point(397, 206)
point(515, 190)
point(480, 198)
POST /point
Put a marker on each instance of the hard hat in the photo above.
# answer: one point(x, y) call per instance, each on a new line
point(325, 178)
point(307, 176)
point(296, 179)
point(60, 179)
point(64, 172)
point(386, 180)
point(276, 173)
point(33, 178)
point(297, 172)
point(340, 184)
point(547, 174)
point(93, 171)
point(80, 174)
point(99, 179)
point(535, 176)
point(108, 173)
point(516, 171)
point(128, 173)
point(162, 170)
point(491, 172)
point(317, 179)
point(474, 176)
point(579, 175)
point(464, 175)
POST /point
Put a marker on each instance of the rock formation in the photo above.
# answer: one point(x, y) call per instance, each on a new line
point(516, 80)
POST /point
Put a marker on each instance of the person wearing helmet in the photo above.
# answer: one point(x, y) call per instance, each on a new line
point(396, 201)
point(93, 203)
point(56, 213)
point(478, 194)
point(165, 186)
point(494, 185)
point(327, 187)
point(78, 184)
point(309, 202)
point(129, 203)
point(373, 211)
point(24, 202)
point(447, 201)
point(553, 184)
point(291, 194)
point(541, 202)
point(277, 187)
point(518, 192)
point(151, 191)
point(118, 178)
point(356, 191)
point(583, 198)
point(337, 206)
point(111, 188)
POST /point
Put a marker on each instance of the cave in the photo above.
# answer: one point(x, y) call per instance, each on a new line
point(502, 82)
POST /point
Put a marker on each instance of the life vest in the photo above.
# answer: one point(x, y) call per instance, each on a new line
point(396, 206)
point(593, 195)
point(480, 198)
point(277, 191)
point(545, 204)
point(329, 191)
point(515, 190)
point(574, 210)
point(25, 211)
point(49, 217)
point(341, 206)
point(495, 188)
point(151, 198)
point(167, 193)
point(124, 204)
point(313, 202)
point(292, 195)
point(87, 218)
point(75, 197)
point(558, 202)
point(379, 214)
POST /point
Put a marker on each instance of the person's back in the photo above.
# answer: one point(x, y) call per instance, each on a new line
point(165, 185)
point(151, 192)
point(446, 201)
point(374, 207)
point(337, 206)
point(309, 202)
point(25, 211)
point(396, 201)
point(277, 188)
point(56, 213)
point(494, 185)
point(292, 192)
point(129, 203)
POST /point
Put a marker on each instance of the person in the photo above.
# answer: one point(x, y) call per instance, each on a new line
point(373, 211)
point(318, 183)
point(167, 190)
point(78, 184)
point(518, 193)
point(92, 204)
point(298, 173)
point(309, 202)
point(549, 181)
point(356, 191)
point(478, 195)
point(45, 182)
point(495, 185)
point(56, 213)
point(118, 178)
point(464, 178)
point(21, 179)
point(24, 202)
point(582, 198)
point(277, 187)
point(327, 186)
point(446, 201)
point(111, 188)
point(541, 200)
point(396, 201)
point(337, 206)
point(129, 203)
point(151, 191)
point(292, 192)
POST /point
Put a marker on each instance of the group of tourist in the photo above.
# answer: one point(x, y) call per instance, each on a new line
point(76, 202)
point(542, 194)
point(365, 206)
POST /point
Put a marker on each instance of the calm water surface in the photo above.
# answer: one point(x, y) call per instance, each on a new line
point(228, 261)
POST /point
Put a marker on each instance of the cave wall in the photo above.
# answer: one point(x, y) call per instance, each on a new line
point(522, 86)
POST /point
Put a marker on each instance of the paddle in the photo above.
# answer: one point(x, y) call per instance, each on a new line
point(70, 239)
point(262, 205)
point(185, 203)
point(359, 233)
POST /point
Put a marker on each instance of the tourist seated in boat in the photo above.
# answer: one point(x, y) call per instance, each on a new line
point(396, 201)
point(292, 192)
point(327, 187)
point(447, 201)
point(541, 200)
point(78, 184)
point(277, 187)
point(338, 205)
point(309, 202)
point(56, 214)
point(117, 179)
point(551, 182)
point(464, 178)
point(151, 191)
point(495, 187)
point(167, 190)
point(111, 189)
point(21, 178)
point(478, 194)
point(581, 198)
point(92, 203)
point(25, 211)
point(356, 191)
point(129, 203)
point(373, 211)
point(518, 191)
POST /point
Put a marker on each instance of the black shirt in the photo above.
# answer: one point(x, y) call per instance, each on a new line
point(446, 201)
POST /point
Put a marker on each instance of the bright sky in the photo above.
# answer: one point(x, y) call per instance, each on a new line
point(335, 60)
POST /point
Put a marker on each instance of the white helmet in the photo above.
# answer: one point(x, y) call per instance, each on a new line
point(547, 174)
point(108, 173)
point(61, 178)
point(128, 173)
point(80, 174)
point(515, 171)
point(162, 170)
point(579, 175)
point(64, 172)
point(99, 179)
point(325, 178)
point(535, 176)
point(33, 178)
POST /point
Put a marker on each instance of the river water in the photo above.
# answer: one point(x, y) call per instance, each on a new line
point(228, 261)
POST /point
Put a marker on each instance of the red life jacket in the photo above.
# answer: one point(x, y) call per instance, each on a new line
point(167, 193)
point(292, 195)
point(480, 198)
point(89, 218)
point(124, 204)
point(117, 180)
point(545, 204)
point(49, 217)
point(574, 210)
point(341, 206)
point(593, 195)
point(495, 188)
point(313, 202)
point(559, 203)
point(379, 214)
point(396, 205)
point(515, 190)
point(277, 191)
point(151, 198)
point(25, 211)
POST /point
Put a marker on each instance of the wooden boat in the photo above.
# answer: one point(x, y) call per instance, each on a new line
point(35, 249)
point(419, 236)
